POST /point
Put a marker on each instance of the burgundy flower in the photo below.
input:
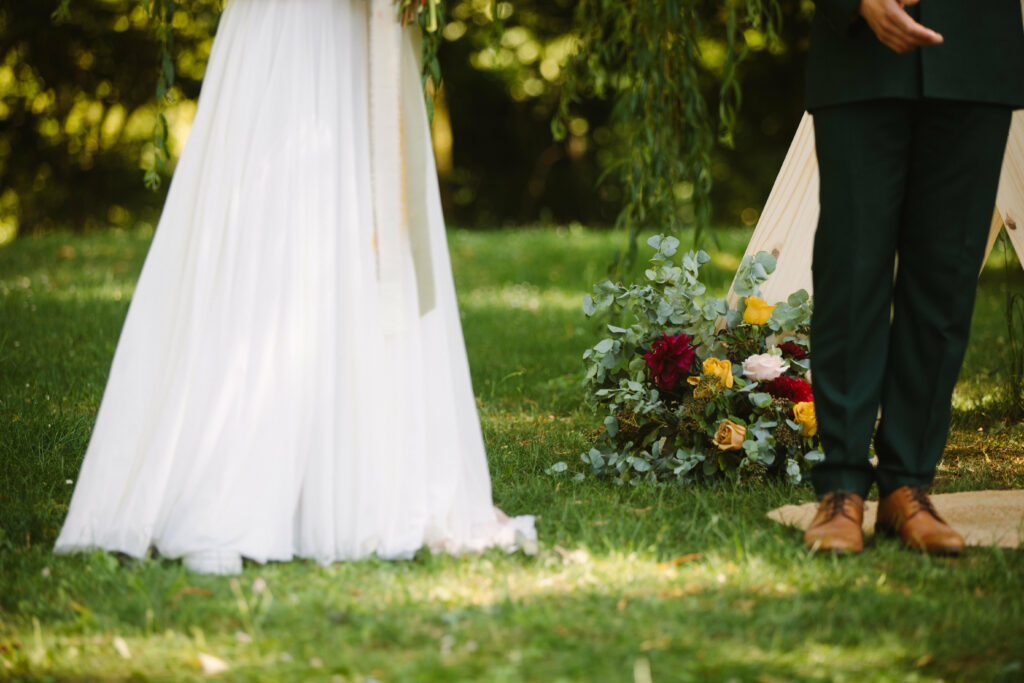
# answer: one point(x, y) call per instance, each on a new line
point(670, 360)
point(793, 350)
point(789, 388)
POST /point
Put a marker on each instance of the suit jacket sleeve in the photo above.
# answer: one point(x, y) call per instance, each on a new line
point(838, 14)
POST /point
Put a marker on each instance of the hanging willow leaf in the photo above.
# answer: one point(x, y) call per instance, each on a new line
point(63, 11)
point(162, 13)
point(646, 57)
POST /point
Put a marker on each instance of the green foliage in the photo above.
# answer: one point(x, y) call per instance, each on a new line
point(503, 78)
point(78, 117)
point(428, 14)
point(161, 12)
point(653, 59)
point(161, 15)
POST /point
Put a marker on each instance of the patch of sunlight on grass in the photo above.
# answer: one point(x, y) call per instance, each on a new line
point(523, 296)
point(816, 658)
point(111, 291)
point(973, 397)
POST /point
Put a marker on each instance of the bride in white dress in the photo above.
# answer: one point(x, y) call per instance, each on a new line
point(291, 379)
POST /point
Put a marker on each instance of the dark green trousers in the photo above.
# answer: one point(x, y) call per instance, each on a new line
point(917, 179)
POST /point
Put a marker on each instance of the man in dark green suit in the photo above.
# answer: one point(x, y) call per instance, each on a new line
point(912, 103)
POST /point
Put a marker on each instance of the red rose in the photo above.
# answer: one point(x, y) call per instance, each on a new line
point(793, 350)
point(670, 360)
point(790, 388)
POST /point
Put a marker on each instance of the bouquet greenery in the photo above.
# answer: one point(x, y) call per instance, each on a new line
point(695, 389)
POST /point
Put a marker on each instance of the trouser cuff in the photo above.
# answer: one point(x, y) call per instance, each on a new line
point(890, 481)
point(828, 480)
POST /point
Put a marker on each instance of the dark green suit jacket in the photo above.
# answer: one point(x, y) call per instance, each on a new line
point(981, 60)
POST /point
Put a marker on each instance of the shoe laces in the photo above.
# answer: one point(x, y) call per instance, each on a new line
point(837, 503)
point(919, 495)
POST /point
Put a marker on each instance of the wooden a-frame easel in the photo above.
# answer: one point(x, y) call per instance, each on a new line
point(787, 224)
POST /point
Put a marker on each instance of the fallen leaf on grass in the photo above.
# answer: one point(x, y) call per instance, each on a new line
point(122, 647)
point(679, 560)
point(191, 590)
point(211, 665)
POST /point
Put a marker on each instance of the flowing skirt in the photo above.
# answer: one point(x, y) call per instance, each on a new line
point(262, 402)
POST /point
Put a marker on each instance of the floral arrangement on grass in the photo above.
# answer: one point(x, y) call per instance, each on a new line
point(695, 389)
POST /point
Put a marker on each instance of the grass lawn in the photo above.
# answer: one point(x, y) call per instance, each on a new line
point(646, 583)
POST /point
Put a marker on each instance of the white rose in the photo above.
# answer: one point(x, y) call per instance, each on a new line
point(807, 376)
point(764, 367)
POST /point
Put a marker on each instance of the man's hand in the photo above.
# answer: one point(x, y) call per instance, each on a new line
point(894, 27)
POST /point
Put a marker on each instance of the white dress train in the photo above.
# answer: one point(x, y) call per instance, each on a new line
point(269, 398)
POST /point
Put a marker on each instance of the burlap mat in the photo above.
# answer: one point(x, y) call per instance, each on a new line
point(985, 518)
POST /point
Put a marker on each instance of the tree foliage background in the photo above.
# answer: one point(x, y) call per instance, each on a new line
point(77, 110)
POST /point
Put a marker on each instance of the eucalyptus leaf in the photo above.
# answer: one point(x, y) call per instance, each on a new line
point(814, 456)
point(641, 465)
point(766, 261)
point(589, 308)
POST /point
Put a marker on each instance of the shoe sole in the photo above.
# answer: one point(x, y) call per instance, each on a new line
point(889, 532)
point(819, 550)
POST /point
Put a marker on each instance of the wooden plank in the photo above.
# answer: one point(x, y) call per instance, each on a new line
point(993, 235)
point(1010, 200)
point(790, 217)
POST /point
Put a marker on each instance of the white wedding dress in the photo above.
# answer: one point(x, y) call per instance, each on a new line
point(291, 379)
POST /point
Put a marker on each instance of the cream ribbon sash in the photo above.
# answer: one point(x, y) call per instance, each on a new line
point(389, 173)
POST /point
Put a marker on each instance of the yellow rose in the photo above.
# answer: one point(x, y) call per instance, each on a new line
point(730, 436)
point(722, 369)
point(803, 414)
point(757, 312)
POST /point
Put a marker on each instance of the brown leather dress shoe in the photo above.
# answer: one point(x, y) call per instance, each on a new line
point(908, 513)
point(836, 527)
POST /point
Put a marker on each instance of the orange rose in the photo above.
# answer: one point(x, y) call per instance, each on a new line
point(730, 436)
